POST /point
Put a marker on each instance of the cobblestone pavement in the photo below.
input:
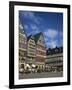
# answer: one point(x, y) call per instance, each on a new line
point(40, 75)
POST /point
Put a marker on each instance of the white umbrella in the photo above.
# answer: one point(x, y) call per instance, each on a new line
point(27, 65)
point(33, 65)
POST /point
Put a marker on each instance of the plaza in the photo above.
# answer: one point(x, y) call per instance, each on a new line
point(40, 75)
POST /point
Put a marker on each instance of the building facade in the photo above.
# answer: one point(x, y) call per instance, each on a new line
point(54, 59)
point(31, 50)
point(40, 50)
point(22, 46)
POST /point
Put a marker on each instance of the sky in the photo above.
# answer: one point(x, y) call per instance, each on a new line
point(50, 23)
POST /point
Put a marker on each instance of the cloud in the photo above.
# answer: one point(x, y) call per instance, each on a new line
point(51, 43)
point(28, 14)
point(61, 34)
point(51, 33)
point(53, 38)
point(34, 28)
point(31, 16)
point(37, 20)
point(26, 27)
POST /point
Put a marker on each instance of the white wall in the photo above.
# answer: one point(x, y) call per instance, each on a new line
point(4, 44)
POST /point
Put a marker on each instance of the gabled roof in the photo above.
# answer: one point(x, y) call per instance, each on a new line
point(37, 36)
point(30, 37)
point(21, 28)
